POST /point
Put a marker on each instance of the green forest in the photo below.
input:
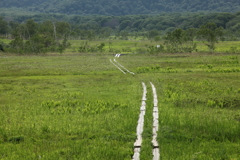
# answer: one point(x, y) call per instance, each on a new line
point(123, 7)
point(41, 33)
point(177, 24)
point(131, 23)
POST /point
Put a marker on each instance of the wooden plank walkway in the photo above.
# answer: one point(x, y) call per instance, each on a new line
point(156, 151)
point(120, 67)
point(117, 66)
point(138, 142)
point(123, 67)
point(139, 130)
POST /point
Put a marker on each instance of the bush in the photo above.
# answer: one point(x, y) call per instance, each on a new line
point(16, 139)
point(155, 49)
point(2, 46)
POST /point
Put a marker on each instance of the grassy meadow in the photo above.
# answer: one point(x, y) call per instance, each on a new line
point(142, 45)
point(80, 106)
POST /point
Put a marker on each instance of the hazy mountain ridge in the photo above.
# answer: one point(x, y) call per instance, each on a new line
point(123, 7)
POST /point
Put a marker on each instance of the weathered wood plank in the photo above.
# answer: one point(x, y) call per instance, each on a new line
point(155, 109)
point(139, 129)
point(117, 67)
point(155, 144)
point(156, 151)
point(156, 154)
point(123, 67)
point(136, 155)
point(138, 142)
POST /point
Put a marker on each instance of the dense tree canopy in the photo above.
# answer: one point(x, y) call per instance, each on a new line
point(51, 35)
point(123, 7)
point(32, 37)
point(86, 27)
point(210, 33)
point(39, 26)
point(3, 26)
point(140, 22)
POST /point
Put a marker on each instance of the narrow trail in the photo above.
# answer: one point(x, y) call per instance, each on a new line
point(140, 125)
point(119, 66)
point(138, 142)
point(123, 67)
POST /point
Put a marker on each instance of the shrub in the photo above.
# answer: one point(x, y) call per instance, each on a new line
point(16, 139)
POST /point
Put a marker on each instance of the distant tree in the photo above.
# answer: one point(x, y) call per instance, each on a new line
point(113, 23)
point(47, 28)
point(105, 32)
point(180, 41)
point(136, 24)
point(13, 25)
point(189, 36)
point(236, 27)
point(153, 33)
point(32, 37)
point(17, 45)
point(2, 46)
point(31, 28)
point(173, 40)
point(102, 12)
point(3, 26)
point(210, 34)
point(90, 34)
point(100, 47)
point(124, 24)
point(123, 34)
point(62, 29)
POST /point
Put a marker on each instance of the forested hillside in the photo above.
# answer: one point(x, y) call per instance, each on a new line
point(129, 24)
point(43, 33)
point(139, 23)
point(123, 7)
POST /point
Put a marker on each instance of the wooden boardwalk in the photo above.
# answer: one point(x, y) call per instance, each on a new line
point(140, 125)
point(117, 67)
point(139, 130)
point(123, 67)
point(156, 151)
point(138, 142)
point(120, 67)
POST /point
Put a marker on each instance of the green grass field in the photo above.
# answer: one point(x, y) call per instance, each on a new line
point(141, 46)
point(80, 106)
point(113, 46)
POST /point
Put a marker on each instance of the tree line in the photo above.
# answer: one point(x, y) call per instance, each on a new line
point(123, 7)
point(183, 40)
point(38, 34)
point(31, 37)
point(139, 23)
point(48, 36)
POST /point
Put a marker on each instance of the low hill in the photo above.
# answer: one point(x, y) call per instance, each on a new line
point(122, 7)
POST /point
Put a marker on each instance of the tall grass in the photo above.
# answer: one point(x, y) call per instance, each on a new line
point(82, 107)
point(113, 46)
